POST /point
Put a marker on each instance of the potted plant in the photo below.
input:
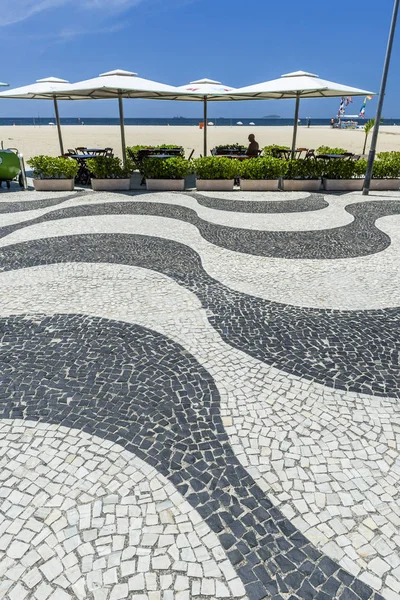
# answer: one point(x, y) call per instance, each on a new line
point(165, 173)
point(273, 149)
point(330, 150)
point(343, 175)
point(53, 174)
point(108, 173)
point(302, 174)
point(215, 173)
point(262, 174)
point(386, 172)
point(229, 149)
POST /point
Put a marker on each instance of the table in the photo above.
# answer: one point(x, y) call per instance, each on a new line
point(83, 175)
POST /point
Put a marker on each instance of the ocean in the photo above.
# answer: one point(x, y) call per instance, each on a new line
point(175, 121)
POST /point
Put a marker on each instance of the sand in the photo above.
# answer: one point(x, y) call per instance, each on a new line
point(43, 140)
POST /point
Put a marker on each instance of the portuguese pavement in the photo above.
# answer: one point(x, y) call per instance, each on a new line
point(199, 396)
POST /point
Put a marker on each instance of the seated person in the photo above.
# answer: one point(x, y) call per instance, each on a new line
point(253, 148)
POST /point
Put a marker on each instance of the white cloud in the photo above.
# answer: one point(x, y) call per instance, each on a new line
point(13, 11)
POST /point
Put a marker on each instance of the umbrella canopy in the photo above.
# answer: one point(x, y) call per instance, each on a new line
point(3, 84)
point(42, 89)
point(120, 84)
point(205, 90)
point(213, 90)
point(299, 84)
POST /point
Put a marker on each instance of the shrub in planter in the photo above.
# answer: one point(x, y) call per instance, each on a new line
point(215, 172)
point(329, 150)
point(386, 172)
point(341, 174)
point(51, 173)
point(262, 173)
point(108, 173)
point(269, 150)
point(339, 168)
point(166, 173)
point(303, 174)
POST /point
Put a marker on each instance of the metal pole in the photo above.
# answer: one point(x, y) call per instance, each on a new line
point(205, 126)
point(60, 141)
point(296, 119)
point(122, 126)
point(372, 151)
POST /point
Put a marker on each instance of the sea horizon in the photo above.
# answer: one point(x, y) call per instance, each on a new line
point(39, 121)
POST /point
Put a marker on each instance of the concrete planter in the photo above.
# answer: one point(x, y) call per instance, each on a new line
point(343, 185)
point(259, 185)
point(165, 185)
point(53, 185)
point(110, 185)
point(301, 185)
point(385, 184)
point(215, 185)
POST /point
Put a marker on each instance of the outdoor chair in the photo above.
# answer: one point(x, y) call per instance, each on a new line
point(109, 152)
point(310, 153)
point(191, 154)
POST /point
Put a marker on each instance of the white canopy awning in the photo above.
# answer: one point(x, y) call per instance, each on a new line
point(42, 89)
point(299, 83)
point(119, 83)
point(212, 90)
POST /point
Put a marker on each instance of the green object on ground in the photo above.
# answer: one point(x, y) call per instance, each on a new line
point(9, 165)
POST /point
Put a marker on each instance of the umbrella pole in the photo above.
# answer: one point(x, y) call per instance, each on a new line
point(296, 120)
point(60, 140)
point(122, 126)
point(372, 151)
point(205, 126)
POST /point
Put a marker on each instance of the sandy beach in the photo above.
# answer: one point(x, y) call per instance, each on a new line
point(43, 140)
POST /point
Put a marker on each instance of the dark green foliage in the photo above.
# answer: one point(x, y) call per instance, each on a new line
point(387, 166)
point(265, 167)
point(269, 150)
point(329, 150)
point(343, 168)
point(216, 167)
point(106, 167)
point(304, 168)
point(166, 168)
point(50, 167)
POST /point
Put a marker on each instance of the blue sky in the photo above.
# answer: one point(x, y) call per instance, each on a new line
point(176, 41)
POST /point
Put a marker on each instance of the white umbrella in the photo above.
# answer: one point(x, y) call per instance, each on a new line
point(205, 90)
point(42, 89)
point(120, 84)
point(3, 84)
point(297, 85)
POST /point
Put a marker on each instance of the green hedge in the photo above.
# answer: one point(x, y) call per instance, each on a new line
point(265, 167)
point(50, 167)
point(216, 167)
point(166, 168)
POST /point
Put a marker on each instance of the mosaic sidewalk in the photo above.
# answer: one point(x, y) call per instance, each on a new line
point(199, 396)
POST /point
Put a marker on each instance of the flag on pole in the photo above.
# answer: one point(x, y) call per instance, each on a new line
point(364, 104)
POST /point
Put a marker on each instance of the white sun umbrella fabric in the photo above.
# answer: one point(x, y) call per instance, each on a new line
point(3, 84)
point(299, 84)
point(42, 89)
point(120, 84)
point(206, 90)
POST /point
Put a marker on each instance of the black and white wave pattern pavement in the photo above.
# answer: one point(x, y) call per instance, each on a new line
point(166, 434)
